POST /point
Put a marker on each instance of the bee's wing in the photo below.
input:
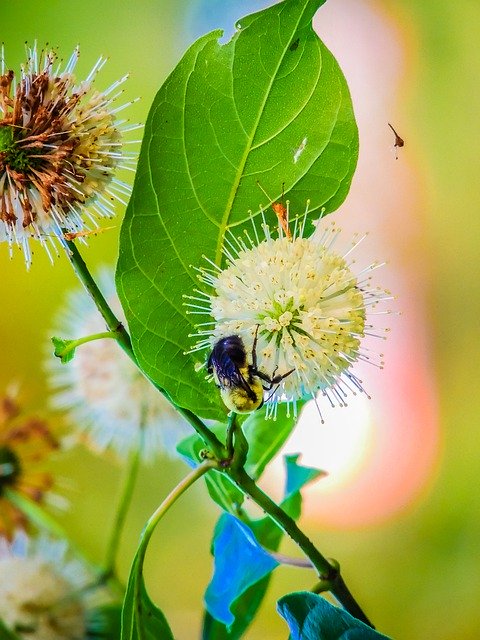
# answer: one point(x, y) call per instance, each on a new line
point(229, 375)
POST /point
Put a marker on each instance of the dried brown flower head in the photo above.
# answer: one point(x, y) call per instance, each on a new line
point(60, 144)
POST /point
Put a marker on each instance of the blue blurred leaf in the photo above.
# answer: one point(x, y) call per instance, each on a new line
point(240, 562)
point(311, 617)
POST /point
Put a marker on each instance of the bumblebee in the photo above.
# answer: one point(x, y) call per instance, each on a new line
point(241, 384)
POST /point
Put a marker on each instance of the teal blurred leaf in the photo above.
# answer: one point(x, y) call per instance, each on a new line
point(311, 617)
point(60, 345)
point(269, 107)
point(141, 618)
point(240, 562)
point(297, 476)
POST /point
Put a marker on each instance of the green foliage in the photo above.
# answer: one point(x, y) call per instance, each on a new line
point(6, 633)
point(244, 604)
point(265, 439)
point(270, 107)
point(220, 487)
point(61, 349)
point(311, 617)
point(104, 623)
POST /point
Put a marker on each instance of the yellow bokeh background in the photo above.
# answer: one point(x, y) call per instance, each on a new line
point(415, 571)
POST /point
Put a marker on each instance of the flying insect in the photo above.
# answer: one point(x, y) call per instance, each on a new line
point(241, 384)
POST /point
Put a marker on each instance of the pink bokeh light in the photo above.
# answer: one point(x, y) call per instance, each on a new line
point(381, 454)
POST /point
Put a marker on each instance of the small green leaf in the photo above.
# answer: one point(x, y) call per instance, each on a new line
point(311, 617)
point(61, 345)
point(271, 107)
point(141, 618)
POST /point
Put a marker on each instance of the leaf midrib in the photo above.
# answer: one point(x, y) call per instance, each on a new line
point(248, 147)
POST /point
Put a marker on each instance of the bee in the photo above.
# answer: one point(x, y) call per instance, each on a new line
point(241, 384)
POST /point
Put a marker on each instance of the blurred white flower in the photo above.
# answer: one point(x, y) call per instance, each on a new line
point(108, 401)
point(60, 144)
point(304, 303)
point(40, 590)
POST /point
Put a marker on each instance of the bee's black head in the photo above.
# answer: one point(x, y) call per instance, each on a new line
point(228, 349)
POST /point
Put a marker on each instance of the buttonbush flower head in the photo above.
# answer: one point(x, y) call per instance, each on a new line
point(109, 402)
point(40, 590)
point(60, 144)
point(302, 300)
point(25, 442)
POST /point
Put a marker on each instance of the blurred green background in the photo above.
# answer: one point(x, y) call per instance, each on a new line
point(416, 573)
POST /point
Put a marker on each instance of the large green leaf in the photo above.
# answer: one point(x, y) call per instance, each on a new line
point(269, 107)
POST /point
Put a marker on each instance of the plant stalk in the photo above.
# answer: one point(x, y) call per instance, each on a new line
point(129, 479)
point(162, 509)
point(123, 339)
point(326, 571)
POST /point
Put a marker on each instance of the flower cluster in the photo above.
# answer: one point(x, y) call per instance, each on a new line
point(40, 590)
point(60, 144)
point(106, 397)
point(302, 301)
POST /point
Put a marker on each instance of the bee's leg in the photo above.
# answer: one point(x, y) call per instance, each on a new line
point(277, 379)
point(273, 380)
point(254, 350)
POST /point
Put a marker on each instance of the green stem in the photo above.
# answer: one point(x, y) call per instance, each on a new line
point(73, 344)
point(231, 426)
point(158, 514)
point(123, 339)
point(326, 570)
point(130, 477)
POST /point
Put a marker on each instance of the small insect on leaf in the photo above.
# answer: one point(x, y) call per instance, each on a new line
point(294, 45)
point(399, 142)
point(71, 235)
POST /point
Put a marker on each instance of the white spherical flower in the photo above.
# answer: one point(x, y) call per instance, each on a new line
point(304, 304)
point(109, 402)
point(60, 144)
point(40, 590)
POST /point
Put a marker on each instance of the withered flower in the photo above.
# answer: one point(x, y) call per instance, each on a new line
point(25, 442)
point(60, 144)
